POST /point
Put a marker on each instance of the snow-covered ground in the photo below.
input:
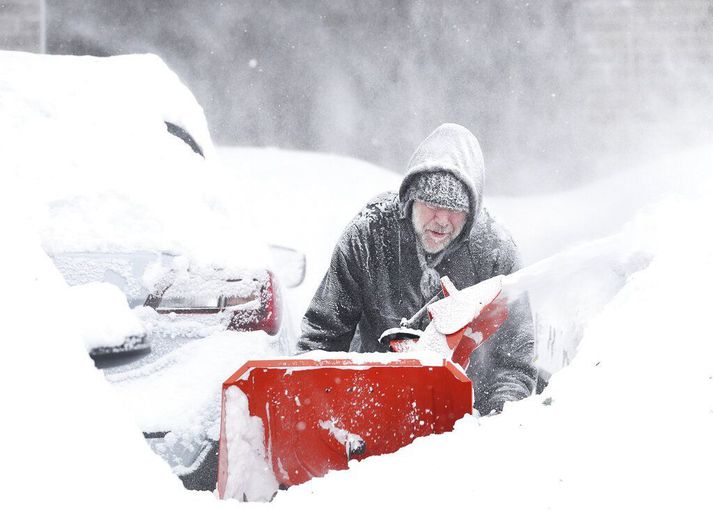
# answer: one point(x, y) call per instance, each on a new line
point(625, 427)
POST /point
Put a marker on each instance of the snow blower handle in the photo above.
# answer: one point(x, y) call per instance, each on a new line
point(405, 336)
point(399, 339)
point(409, 323)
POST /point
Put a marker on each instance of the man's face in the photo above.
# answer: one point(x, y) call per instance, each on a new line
point(435, 226)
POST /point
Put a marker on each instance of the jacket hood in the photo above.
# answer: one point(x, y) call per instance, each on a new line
point(451, 148)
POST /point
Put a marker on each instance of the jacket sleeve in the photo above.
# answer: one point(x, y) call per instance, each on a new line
point(336, 308)
point(511, 351)
point(513, 374)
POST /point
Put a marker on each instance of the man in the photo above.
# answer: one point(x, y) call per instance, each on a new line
point(390, 258)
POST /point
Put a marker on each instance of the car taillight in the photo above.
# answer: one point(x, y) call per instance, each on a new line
point(266, 316)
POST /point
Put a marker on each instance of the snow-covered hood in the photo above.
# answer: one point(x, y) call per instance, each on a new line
point(452, 148)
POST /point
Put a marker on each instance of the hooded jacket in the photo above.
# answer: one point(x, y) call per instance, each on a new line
point(373, 280)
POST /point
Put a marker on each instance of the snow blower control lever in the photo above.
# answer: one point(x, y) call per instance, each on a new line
point(460, 321)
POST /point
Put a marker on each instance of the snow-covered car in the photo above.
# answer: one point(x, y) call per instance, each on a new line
point(188, 317)
point(129, 196)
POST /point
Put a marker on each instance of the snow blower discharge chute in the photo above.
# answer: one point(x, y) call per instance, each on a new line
point(313, 413)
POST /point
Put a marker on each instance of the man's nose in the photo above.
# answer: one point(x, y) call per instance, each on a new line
point(441, 216)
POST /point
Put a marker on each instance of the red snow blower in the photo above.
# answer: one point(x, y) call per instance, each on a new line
point(319, 410)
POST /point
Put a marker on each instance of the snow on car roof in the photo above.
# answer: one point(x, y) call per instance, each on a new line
point(125, 90)
point(102, 172)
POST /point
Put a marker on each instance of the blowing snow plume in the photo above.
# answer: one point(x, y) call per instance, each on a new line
point(565, 291)
point(569, 288)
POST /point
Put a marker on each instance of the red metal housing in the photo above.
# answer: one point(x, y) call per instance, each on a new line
point(318, 414)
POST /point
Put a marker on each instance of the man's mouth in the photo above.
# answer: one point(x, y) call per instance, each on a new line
point(436, 235)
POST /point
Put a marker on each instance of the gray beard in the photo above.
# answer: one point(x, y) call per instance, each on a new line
point(421, 234)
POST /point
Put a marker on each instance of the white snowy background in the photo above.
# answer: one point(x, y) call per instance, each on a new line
point(626, 426)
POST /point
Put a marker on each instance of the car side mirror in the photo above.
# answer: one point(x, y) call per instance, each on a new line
point(290, 265)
